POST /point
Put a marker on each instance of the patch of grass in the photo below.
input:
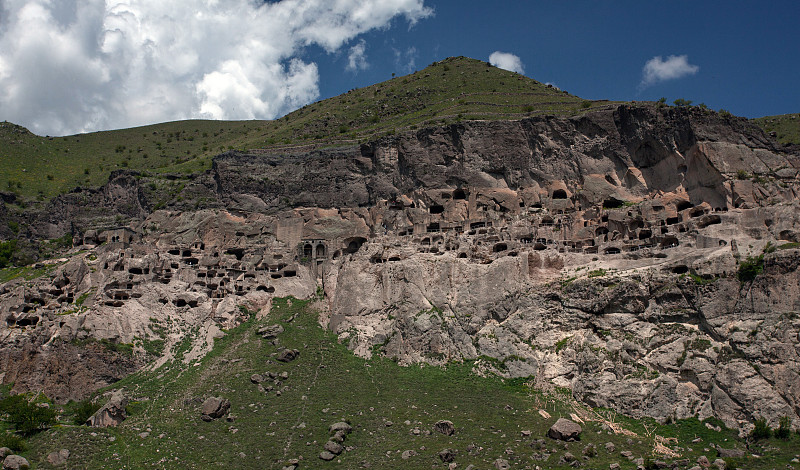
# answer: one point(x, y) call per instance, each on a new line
point(328, 384)
point(785, 126)
point(597, 273)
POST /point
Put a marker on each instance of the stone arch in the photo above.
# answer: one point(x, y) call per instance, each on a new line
point(308, 250)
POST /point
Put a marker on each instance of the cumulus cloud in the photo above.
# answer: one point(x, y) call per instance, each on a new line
point(658, 70)
point(80, 65)
point(357, 58)
point(506, 61)
point(405, 61)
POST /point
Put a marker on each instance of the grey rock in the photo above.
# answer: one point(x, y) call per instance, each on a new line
point(502, 464)
point(288, 355)
point(334, 447)
point(215, 408)
point(15, 462)
point(407, 454)
point(58, 458)
point(447, 455)
point(112, 413)
point(326, 455)
point(341, 426)
point(730, 453)
point(445, 427)
point(565, 430)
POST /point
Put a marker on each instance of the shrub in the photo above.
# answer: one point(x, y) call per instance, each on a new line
point(784, 428)
point(762, 430)
point(13, 442)
point(26, 417)
point(750, 268)
point(83, 411)
point(7, 250)
point(680, 102)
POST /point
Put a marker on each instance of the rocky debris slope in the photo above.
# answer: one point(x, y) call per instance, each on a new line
point(628, 254)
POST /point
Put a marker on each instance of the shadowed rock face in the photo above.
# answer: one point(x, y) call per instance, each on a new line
point(599, 253)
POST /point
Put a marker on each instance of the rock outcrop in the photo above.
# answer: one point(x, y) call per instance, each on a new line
point(644, 257)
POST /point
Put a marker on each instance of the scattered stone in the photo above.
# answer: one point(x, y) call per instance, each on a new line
point(326, 455)
point(564, 430)
point(214, 408)
point(447, 455)
point(730, 453)
point(271, 331)
point(610, 447)
point(445, 427)
point(288, 355)
point(501, 464)
point(256, 378)
point(720, 464)
point(144, 434)
point(627, 454)
point(334, 447)
point(58, 458)
point(284, 375)
point(526, 433)
point(388, 424)
point(703, 461)
point(341, 426)
point(614, 466)
point(408, 454)
point(112, 413)
point(590, 450)
point(15, 462)
point(566, 458)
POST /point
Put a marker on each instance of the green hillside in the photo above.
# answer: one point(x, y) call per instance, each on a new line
point(785, 126)
point(392, 409)
point(444, 92)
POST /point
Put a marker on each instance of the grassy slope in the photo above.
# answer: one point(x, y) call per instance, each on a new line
point(328, 384)
point(785, 126)
point(453, 89)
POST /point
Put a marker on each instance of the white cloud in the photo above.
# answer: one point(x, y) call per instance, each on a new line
point(357, 58)
point(506, 61)
point(405, 61)
point(81, 65)
point(658, 70)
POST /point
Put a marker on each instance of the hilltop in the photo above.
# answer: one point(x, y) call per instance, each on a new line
point(452, 90)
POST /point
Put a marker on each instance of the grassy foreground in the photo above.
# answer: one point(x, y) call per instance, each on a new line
point(385, 404)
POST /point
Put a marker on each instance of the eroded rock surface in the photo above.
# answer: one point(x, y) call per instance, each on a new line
point(601, 253)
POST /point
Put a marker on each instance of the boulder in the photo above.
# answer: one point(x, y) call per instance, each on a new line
point(501, 464)
point(326, 455)
point(5, 452)
point(565, 430)
point(340, 427)
point(112, 413)
point(447, 455)
point(271, 331)
point(288, 355)
point(58, 458)
point(214, 408)
point(445, 427)
point(15, 462)
point(334, 447)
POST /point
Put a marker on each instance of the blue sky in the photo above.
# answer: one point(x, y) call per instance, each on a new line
point(748, 53)
point(83, 65)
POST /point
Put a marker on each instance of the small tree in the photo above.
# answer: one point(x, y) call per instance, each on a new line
point(762, 430)
point(682, 103)
point(26, 417)
point(784, 428)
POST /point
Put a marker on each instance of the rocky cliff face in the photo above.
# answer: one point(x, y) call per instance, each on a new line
point(628, 254)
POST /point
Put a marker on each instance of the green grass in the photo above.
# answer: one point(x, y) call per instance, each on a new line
point(785, 126)
point(446, 92)
point(327, 384)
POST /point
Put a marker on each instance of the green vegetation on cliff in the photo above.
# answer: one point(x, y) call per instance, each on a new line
point(785, 126)
point(445, 92)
